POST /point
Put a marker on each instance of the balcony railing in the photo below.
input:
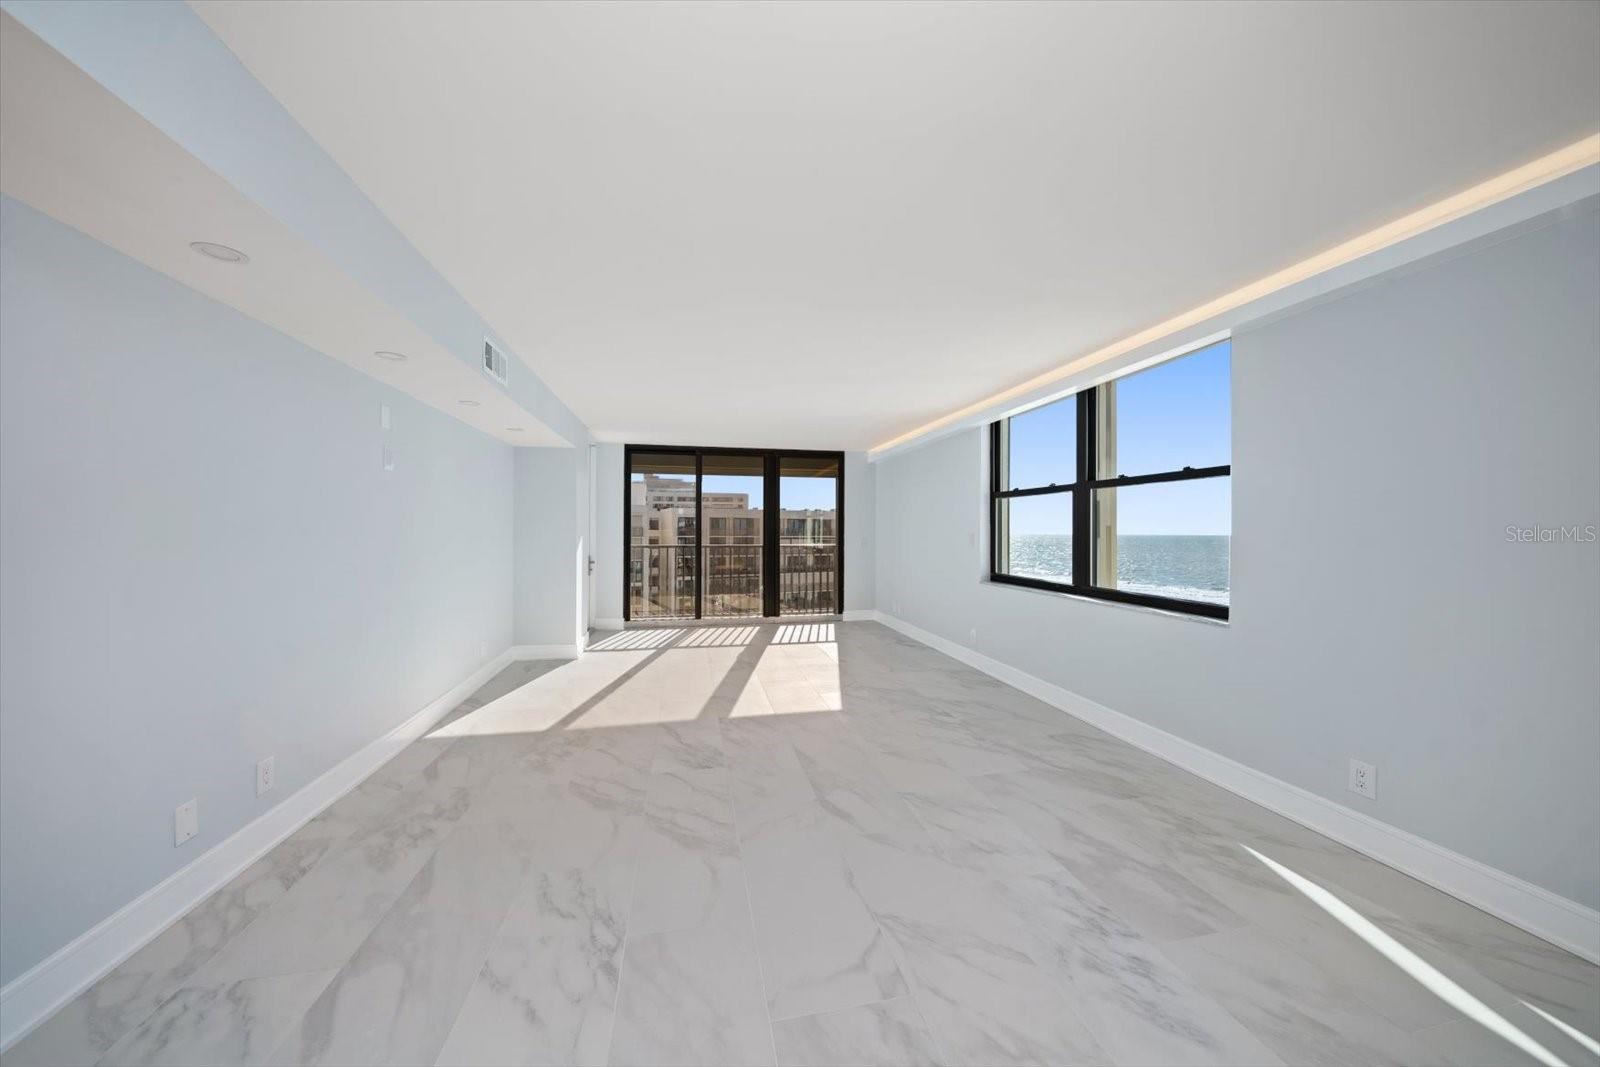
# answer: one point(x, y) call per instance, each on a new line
point(733, 581)
point(807, 572)
point(661, 580)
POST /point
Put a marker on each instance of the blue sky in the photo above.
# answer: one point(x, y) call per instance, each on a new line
point(1170, 416)
point(807, 492)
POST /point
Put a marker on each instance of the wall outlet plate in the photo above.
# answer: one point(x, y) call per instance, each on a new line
point(266, 776)
point(1363, 779)
point(185, 821)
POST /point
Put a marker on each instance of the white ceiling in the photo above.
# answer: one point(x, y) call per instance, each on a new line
point(72, 150)
point(823, 224)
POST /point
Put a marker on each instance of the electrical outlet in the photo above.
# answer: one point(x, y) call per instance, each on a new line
point(383, 415)
point(266, 776)
point(1363, 779)
point(185, 822)
point(972, 634)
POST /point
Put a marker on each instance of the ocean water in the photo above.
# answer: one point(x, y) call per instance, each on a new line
point(1189, 567)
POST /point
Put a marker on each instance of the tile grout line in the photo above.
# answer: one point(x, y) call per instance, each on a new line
point(456, 827)
point(622, 963)
point(935, 1039)
point(874, 755)
point(750, 910)
point(1157, 946)
point(493, 940)
point(335, 848)
point(633, 888)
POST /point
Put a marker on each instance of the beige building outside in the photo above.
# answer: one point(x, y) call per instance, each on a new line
point(664, 552)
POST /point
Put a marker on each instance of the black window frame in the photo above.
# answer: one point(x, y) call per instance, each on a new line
point(772, 463)
point(1083, 489)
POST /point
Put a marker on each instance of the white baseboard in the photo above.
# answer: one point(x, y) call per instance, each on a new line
point(1566, 923)
point(543, 652)
point(608, 624)
point(860, 615)
point(32, 997)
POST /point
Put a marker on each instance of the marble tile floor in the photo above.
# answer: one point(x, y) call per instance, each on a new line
point(806, 844)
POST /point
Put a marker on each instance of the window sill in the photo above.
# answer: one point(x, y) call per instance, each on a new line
point(1146, 609)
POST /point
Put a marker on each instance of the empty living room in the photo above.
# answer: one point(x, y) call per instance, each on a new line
point(703, 532)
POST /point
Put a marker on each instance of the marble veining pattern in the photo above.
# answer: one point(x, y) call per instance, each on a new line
point(804, 844)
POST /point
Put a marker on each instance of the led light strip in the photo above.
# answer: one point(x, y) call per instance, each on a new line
point(1545, 169)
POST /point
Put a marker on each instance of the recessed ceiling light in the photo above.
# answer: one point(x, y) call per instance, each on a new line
point(393, 357)
point(468, 403)
point(222, 252)
point(513, 429)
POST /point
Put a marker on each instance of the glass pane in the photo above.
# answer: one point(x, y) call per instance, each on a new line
point(1169, 417)
point(1040, 447)
point(1167, 539)
point(1033, 537)
point(661, 552)
point(730, 512)
point(661, 499)
point(808, 552)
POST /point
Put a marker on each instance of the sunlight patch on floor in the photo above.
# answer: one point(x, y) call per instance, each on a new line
point(1565, 1027)
point(804, 633)
point(1427, 975)
point(718, 636)
point(627, 640)
point(671, 675)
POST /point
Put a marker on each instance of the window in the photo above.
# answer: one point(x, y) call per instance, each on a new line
point(732, 533)
point(1123, 491)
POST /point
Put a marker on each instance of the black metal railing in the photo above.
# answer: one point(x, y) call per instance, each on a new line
point(807, 576)
point(661, 580)
point(733, 581)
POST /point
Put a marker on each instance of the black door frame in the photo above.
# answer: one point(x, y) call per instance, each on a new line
point(770, 558)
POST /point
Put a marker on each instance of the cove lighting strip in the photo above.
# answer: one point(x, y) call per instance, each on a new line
point(1557, 164)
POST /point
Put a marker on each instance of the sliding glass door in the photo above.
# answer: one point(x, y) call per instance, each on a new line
point(663, 535)
point(732, 488)
point(727, 533)
point(808, 538)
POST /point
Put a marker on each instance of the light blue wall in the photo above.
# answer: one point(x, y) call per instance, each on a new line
point(860, 531)
point(1384, 437)
point(153, 53)
point(204, 563)
point(551, 527)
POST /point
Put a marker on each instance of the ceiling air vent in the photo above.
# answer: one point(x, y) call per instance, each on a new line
point(494, 361)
